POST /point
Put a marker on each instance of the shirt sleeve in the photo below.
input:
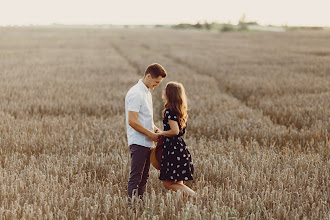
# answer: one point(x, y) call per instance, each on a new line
point(134, 102)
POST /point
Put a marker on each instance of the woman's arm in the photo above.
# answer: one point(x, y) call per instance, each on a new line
point(156, 130)
point(174, 131)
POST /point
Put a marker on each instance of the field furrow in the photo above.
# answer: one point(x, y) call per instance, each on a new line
point(258, 128)
point(252, 120)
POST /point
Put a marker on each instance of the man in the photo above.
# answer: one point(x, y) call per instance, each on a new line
point(141, 131)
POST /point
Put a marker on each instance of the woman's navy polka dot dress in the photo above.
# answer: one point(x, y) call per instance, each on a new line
point(176, 163)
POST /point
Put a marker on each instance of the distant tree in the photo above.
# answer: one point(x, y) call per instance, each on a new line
point(207, 25)
point(242, 24)
point(227, 28)
point(182, 26)
point(242, 19)
point(252, 23)
point(243, 27)
point(198, 25)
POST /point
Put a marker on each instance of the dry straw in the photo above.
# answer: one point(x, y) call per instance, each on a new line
point(258, 127)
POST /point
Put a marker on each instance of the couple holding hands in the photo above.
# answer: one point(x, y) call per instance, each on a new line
point(176, 165)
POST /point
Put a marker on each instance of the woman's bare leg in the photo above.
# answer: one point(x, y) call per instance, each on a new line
point(175, 186)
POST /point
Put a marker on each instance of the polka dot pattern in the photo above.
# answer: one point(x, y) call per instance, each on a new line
point(176, 162)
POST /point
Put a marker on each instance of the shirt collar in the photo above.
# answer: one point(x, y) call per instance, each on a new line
point(145, 88)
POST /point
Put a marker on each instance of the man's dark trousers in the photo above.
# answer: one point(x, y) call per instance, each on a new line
point(140, 164)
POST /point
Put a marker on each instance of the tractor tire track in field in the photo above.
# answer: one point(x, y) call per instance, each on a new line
point(129, 61)
point(177, 60)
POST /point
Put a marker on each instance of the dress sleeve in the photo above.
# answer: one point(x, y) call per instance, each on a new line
point(170, 115)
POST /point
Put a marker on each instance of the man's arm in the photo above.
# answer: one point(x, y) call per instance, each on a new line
point(136, 124)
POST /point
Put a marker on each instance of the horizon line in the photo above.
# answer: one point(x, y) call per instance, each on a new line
point(149, 24)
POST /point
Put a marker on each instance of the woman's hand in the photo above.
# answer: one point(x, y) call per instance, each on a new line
point(154, 137)
point(161, 133)
point(174, 131)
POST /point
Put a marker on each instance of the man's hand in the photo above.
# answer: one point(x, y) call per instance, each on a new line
point(154, 137)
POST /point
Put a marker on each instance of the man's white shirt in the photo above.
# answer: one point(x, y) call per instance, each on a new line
point(139, 99)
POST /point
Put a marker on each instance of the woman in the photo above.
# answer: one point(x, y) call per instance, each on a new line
point(176, 163)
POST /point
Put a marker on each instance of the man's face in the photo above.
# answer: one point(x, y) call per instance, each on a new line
point(153, 82)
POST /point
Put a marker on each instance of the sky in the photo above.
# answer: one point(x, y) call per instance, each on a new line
point(265, 12)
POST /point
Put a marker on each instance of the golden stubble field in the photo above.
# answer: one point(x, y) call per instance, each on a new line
point(258, 122)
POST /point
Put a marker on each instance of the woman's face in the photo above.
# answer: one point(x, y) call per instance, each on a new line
point(164, 97)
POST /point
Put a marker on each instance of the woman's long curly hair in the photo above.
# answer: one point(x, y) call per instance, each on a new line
point(176, 101)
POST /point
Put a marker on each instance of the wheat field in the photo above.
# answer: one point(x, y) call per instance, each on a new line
point(258, 130)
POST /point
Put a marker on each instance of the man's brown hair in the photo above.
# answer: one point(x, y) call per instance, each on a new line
point(155, 70)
